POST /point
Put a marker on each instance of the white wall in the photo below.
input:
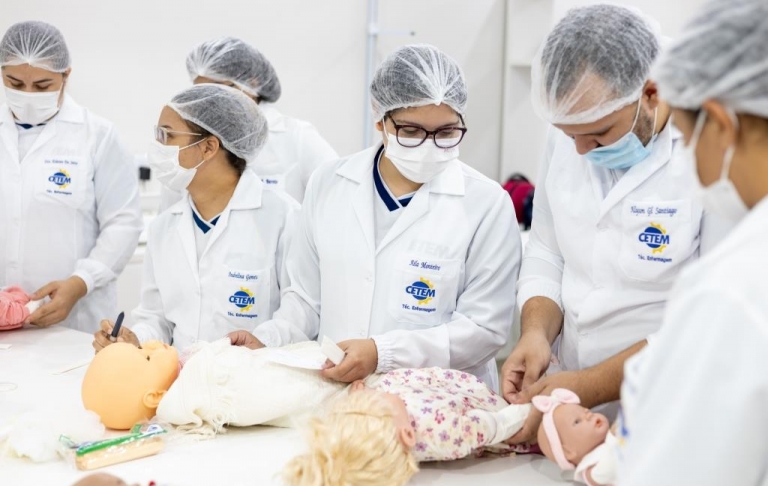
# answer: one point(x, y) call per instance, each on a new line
point(128, 56)
point(528, 22)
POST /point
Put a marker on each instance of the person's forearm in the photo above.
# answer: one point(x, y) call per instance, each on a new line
point(602, 383)
point(541, 316)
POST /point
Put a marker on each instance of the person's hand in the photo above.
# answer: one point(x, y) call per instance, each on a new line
point(545, 386)
point(527, 363)
point(244, 338)
point(101, 338)
point(64, 295)
point(360, 360)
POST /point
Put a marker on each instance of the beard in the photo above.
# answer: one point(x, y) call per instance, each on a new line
point(645, 126)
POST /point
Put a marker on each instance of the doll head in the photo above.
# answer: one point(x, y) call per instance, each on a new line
point(568, 431)
point(365, 438)
point(124, 384)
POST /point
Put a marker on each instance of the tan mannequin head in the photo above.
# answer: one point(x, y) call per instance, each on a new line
point(124, 384)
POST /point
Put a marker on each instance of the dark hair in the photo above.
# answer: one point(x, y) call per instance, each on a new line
point(236, 162)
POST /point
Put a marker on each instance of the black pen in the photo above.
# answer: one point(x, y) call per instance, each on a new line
point(116, 329)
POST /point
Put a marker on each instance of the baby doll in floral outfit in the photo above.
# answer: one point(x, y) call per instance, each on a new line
point(387, 424)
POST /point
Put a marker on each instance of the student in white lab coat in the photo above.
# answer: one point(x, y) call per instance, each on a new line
point(614, 220)
point(214, 260)
point(294, 148)
point(695, 402)
point(69, 200)
point(405, 255)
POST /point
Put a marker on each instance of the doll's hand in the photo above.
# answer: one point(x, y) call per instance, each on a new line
point(360, 360)
point(244, 338)
point(101, 338)
point(545, 386)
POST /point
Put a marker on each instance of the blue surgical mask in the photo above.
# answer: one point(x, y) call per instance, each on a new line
point(626, 152)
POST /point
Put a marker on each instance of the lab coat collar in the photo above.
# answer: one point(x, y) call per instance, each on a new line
point(359, 168)
point(275, 119)
point(70, 111)
point(247, 195)
point(661, 154)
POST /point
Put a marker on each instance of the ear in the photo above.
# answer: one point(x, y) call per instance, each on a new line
point(724, 123)
point(152, 399)
point(380, 125)
point(407, 436)
point(210, 147)
point(570, 454)
point(651, 94)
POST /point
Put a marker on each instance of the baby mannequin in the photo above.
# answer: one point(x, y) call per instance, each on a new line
point(576, 439)
point(15, 307)
point(377, 433)
point(124, 384)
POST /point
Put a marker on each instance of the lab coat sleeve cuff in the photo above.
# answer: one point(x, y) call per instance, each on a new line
point(85, 277)
point(385, 349)
point(539, 288)
point(144, 333)
point(267, 334)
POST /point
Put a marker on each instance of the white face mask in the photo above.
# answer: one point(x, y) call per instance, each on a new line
point(420, 164)
point(720, 197)
point(32, 108)
point(164, 161)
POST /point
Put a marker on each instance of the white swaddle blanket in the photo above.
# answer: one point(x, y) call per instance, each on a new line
point(223, 385)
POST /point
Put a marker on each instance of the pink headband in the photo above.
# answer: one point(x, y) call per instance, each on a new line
point(547, 406)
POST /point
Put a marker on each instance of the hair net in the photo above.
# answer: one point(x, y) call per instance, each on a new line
point(38, 44)
point(230, 59)
point(417, 75)
point(722, 54)
point(594, 62)
point(227, 113)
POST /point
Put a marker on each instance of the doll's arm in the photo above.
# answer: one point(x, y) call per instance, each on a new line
point(500, 426)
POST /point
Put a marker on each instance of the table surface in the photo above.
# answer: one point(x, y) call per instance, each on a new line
point(248, 456)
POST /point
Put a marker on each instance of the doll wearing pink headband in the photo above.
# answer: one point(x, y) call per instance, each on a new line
point(576, 438)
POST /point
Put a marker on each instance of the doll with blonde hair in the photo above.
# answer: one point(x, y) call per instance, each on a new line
point(387, 424)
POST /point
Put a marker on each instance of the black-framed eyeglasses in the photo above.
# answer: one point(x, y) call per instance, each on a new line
point(413, 136)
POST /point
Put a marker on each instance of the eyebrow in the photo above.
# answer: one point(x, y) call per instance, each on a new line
point(414, 124)
point(40, 81)
point(13, 78)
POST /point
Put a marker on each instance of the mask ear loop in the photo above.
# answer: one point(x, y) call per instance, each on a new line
point(730, 151)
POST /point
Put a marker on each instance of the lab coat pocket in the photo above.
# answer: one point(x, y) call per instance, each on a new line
point(62, 180)
point(244, 296)
point(657, 236)
point(423, 290)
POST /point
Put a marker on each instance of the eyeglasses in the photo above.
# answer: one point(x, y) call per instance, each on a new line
point(412, 136)
point(161, 134)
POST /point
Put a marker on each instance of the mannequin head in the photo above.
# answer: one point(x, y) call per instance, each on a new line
point(124, 384)
point(577, 429)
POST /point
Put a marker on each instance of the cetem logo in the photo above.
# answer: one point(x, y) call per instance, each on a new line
point(423, 291)
point(655, 237)
point(61, 178)
point(243, 299)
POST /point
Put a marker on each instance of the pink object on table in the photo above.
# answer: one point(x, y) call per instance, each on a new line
point(13, 308)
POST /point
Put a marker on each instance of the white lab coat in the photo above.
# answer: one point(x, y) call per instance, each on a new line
point(70, 207)
point(592, 254)
point(458, 233)
point(694, 401)
point(292, 152)
point(235, 285)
